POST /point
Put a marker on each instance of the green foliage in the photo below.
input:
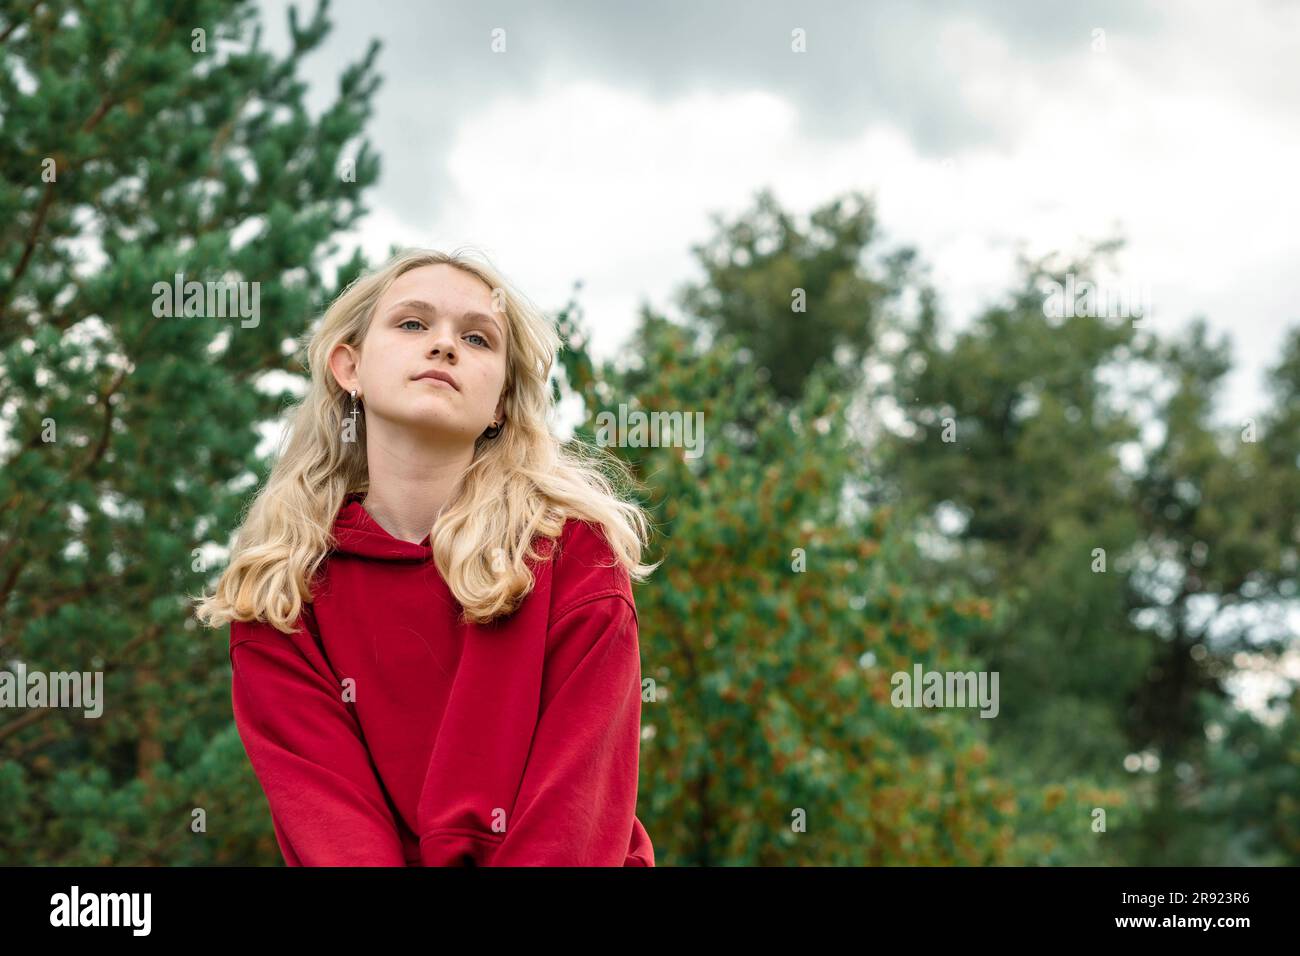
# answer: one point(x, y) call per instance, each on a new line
point(1017, 428)
point(794, 298)
point(1013, 435)
point(1251, 782)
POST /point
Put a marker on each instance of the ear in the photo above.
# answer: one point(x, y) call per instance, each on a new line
point(343, 365)
point(500, 413)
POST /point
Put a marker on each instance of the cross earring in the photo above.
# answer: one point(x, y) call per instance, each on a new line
point(354, 403)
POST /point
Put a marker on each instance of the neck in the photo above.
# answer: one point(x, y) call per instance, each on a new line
point(411, 483)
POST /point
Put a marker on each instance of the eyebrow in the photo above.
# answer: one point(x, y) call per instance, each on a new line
point(419, 305)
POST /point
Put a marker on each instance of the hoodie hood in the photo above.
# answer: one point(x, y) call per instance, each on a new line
point(358, 534)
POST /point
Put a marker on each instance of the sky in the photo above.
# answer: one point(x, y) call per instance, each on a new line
point(599, 144)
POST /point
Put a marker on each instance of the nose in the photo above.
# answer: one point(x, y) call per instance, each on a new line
point(444, 343)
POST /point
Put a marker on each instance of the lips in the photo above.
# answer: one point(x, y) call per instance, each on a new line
point(440, 376)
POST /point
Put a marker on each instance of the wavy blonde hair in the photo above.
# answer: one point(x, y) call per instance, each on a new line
point(522, 483)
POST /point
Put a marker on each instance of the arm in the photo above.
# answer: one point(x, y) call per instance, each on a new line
point(306, 748)
point(577, 801)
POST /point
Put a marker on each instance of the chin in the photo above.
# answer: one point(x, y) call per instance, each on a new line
point(433, 422)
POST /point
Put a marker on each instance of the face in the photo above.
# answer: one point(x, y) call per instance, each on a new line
point(434, 318)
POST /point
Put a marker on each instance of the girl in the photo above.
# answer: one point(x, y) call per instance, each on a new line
point(433, 638)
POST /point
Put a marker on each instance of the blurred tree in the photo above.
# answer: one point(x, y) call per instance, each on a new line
point(1011, 442)
point(1220, 511)
point(141, 141)
point(1021, 438)
point(1247, 794)
point(793, 297)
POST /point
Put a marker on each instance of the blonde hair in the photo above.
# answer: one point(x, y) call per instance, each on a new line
point(522, 483)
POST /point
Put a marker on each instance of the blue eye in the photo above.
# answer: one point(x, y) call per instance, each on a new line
point(417, 322)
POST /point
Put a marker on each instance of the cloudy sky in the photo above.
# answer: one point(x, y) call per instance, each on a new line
point(597, 146)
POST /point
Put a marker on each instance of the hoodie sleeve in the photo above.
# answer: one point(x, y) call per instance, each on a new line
point(306, 748)
point(577, 802)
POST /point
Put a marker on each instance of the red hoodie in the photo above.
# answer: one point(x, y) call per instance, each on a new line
point(387, 733)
